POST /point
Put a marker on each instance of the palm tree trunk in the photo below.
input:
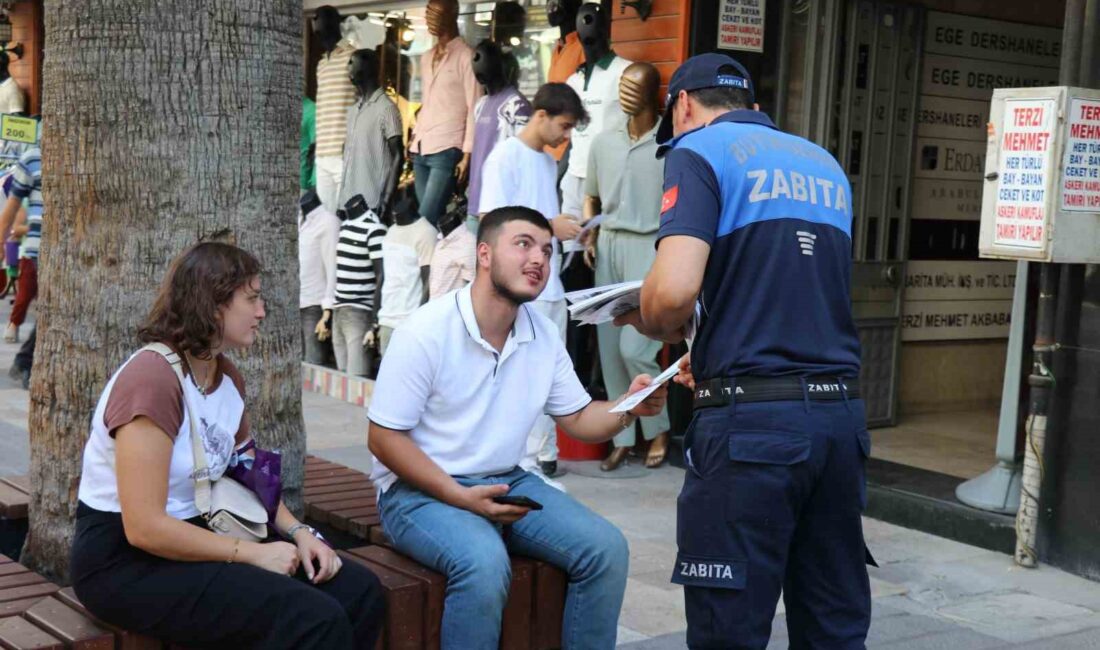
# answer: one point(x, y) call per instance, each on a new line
point(165, 123)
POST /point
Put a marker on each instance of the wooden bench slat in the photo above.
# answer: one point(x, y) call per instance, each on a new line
point(13, 502)
point(435, 585)
point(551, 584)
point(69, 625)
point(311, 493)
point(332, 478)
point(332, 501)
point(17, 607)
point(19, 634)
point(404, 628)
point(340, 518)
point(20, 579)
point(11, 568)
point(515, 627)
point(20, 482)
point(318, 473)
point(126, 640)
point(362, 526)
point(18, 593)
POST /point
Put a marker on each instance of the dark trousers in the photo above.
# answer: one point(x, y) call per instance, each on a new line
point(24, 359)
point(217, 604)
point(771, 502)
point(26, 290)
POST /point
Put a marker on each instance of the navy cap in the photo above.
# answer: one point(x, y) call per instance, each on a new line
point(698, 72)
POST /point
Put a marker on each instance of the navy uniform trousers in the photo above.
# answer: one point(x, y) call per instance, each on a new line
point(771, 503)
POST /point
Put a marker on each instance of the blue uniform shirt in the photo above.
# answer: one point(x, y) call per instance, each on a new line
point(777, 212)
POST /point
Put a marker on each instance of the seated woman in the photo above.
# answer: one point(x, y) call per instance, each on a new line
point(143, 559)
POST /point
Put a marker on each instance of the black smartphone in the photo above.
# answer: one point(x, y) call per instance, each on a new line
point(525, 502)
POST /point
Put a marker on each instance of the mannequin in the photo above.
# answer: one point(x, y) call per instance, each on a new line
point(624, 185)
point(444, 134)
point(373, 150)
point(508, 25)
point(318, 236)
point(454, 260)
point(360, 277)
point(597, 84)
point(567, 55)
point(335, 94)
point(406, 258)
point(499, 115)
point(11, 96)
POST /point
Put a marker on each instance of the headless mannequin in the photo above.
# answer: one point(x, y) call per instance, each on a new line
point(408, 218)
point(449, 221)
point(442, 19)
point(308, 203)
point(363, 72)
point(592, 29)
point(355, 208)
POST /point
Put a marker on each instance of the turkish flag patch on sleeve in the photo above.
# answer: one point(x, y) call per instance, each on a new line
point(668, 200)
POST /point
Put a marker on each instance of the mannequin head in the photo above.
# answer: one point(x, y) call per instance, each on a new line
point(489, 67)
point(309, 202)
point(509, 21)
point(363, 72)
point(592, 29)
point(326, 27)
point(442, 18)
point(450, 220)
point(640, 89)
point(563, 15)
point(399, 33)
point(355, 207)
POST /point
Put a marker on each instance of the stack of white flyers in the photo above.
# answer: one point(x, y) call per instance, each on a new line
point(637, 398)
point(603, 304)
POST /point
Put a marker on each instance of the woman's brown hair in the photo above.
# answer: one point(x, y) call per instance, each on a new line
point(199, 281)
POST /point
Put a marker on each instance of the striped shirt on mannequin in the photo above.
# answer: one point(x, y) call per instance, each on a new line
point(360, 245)
point(335, 94)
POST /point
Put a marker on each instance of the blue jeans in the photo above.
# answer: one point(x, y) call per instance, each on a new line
point(473, 553)
point(434, 175)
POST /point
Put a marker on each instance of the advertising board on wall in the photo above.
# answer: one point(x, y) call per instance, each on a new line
point(741, 25)
point(957, 300)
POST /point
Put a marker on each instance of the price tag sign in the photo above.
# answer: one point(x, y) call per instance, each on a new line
point(19, 129)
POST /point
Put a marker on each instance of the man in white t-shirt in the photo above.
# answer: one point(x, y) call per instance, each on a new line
point(519, 172)
point(461, 385)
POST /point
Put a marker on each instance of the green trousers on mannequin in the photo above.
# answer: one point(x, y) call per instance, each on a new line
point(622, 256)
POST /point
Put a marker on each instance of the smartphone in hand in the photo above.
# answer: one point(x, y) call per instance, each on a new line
point(522, 501)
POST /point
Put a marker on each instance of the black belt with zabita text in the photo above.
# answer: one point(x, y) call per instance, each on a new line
point(730, 390)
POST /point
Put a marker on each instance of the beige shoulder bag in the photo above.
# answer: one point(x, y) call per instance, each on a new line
point(228, 507)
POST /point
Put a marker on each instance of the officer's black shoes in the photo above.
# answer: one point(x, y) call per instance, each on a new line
point(548, 467)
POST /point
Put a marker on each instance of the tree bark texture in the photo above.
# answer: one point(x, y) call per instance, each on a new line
point(165, 123)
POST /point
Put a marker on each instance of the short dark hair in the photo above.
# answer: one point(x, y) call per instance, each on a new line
point(559, 99)
point(492, 222)
point(723, 96)
point(199, 281)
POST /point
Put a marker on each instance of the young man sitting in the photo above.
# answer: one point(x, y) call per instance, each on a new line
point(463, 381)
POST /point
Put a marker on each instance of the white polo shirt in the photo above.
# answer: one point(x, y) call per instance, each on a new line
point(468, 407)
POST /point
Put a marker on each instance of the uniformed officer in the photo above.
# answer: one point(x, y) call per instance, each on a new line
point(756, 230)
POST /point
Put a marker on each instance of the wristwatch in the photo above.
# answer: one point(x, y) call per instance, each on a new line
point(298, 526)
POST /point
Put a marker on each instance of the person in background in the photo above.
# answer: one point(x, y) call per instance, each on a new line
point(519, 172)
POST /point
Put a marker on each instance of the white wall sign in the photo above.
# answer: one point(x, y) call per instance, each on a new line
point(961, 160)
point(946, 117)
point(1081, 164)
point(975, 79)
point(947, 200)
point(1026, 138)
point(943, 320)
point(980, 38)
point(741, 25)
point(954, 300)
